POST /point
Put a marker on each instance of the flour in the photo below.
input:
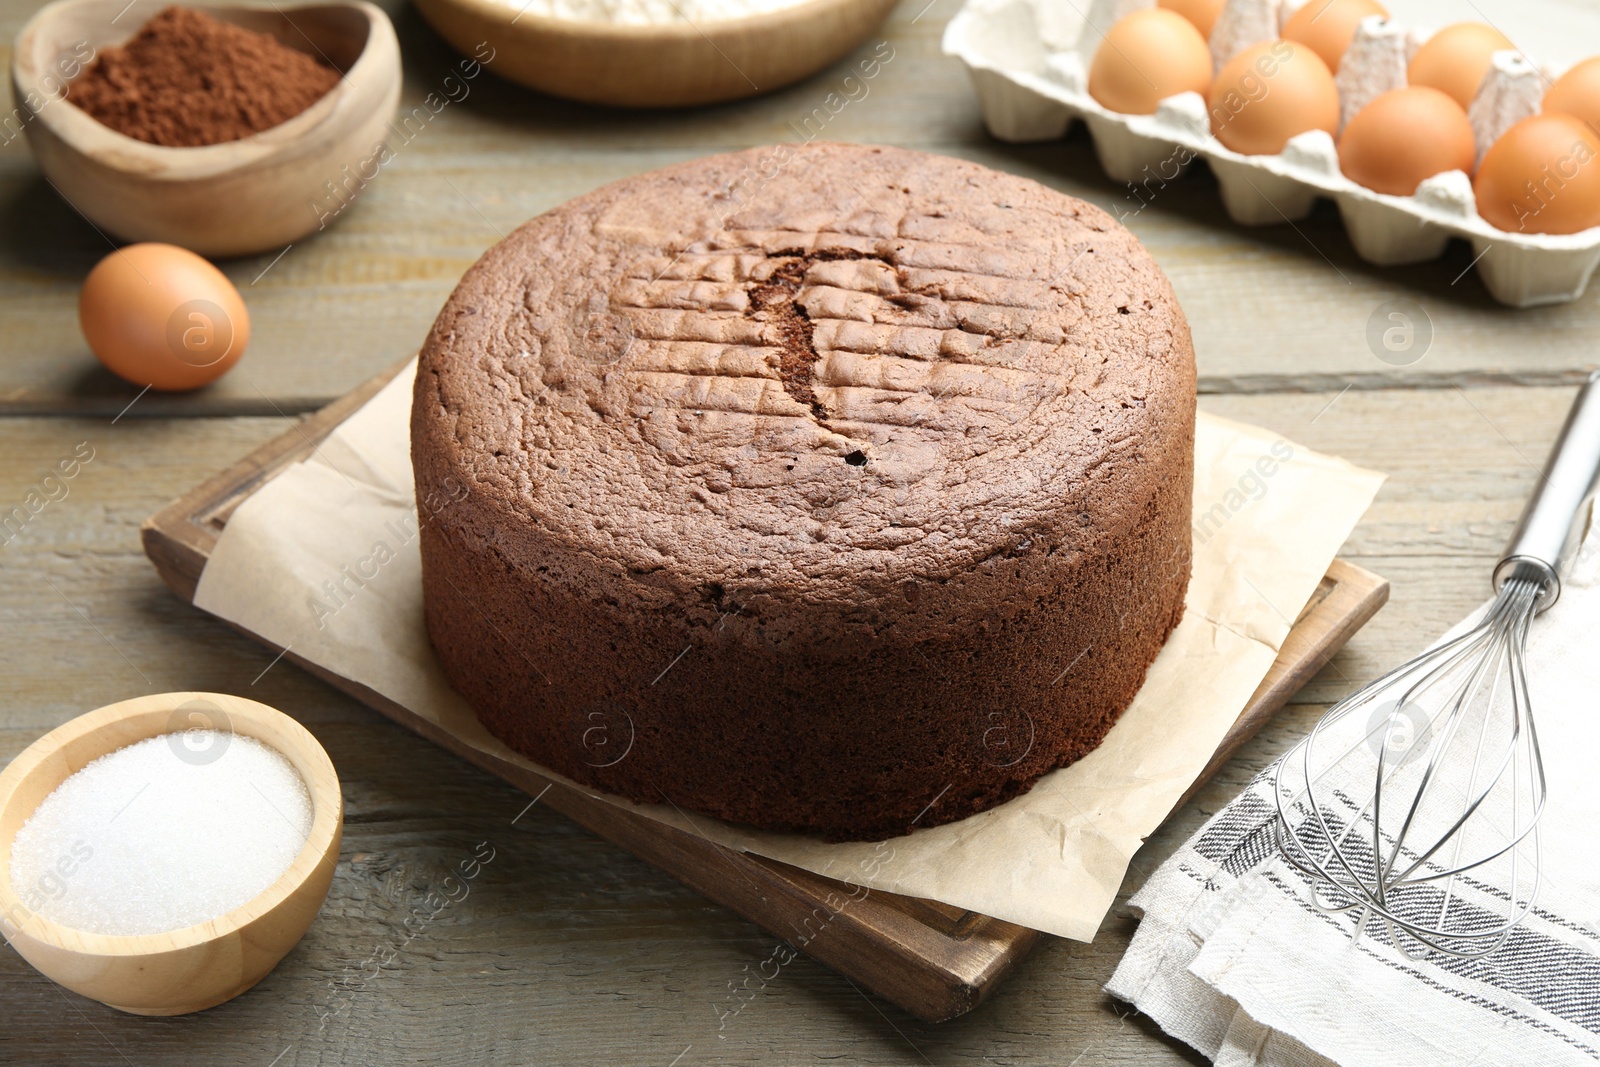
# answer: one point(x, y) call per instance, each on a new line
point(649, 12)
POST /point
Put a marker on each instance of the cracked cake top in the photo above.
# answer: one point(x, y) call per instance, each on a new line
point(834, 366)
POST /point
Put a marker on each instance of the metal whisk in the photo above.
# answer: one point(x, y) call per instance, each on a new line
point(1414, 803)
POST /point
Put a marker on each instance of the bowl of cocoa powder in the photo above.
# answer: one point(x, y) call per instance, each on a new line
point(226, 130)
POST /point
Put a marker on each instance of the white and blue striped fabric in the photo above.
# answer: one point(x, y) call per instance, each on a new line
point(1233, 958)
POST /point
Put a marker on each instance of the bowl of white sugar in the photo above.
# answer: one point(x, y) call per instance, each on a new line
point(161, 855)
point(656, 53)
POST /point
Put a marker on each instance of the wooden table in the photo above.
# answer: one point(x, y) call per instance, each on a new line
point(568, 950)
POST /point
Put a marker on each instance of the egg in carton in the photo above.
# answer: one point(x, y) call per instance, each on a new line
point(1029, 62)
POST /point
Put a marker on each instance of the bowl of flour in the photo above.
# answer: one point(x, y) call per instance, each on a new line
point(655, 53)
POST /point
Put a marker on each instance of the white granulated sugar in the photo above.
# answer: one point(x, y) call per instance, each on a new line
point(162, 834)
point(649, 12)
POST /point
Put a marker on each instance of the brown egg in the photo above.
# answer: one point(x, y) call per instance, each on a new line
point(1541, 176)
point(1403, 137)
point(1269, 93)
point(1328, 26)
point(161, 316)
point(1455, 59)
point(1147, 56)
point(1203, 13)
point(1577, 92)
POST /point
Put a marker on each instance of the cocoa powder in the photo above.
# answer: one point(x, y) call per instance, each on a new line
point(187, 79)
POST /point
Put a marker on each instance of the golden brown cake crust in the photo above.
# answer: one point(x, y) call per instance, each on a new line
point(846, 495)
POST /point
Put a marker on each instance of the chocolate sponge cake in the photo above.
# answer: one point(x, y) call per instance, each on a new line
point(834, 489)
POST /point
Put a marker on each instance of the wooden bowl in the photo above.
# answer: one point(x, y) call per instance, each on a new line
point(656, 66)
point(252, 195)
point(198, 966)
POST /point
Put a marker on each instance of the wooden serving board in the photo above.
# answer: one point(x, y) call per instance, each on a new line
point(934, 960)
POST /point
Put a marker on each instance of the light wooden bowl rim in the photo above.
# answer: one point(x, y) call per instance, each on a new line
point(533, 24)
point(326, 821)
point(87, 135)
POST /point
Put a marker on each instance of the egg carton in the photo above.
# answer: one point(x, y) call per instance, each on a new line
point(1029, 64)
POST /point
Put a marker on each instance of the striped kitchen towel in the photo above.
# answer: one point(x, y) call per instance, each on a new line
point(1233, 958)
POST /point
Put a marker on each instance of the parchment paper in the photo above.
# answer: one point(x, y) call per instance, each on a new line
point(1269, 514)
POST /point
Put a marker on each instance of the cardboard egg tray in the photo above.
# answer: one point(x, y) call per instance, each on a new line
point(1029, 62)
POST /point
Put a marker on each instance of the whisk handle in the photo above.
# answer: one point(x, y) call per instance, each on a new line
point(1548, 536)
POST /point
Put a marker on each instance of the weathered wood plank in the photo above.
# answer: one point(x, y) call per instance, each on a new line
point(569, 950)
point(1273, 309)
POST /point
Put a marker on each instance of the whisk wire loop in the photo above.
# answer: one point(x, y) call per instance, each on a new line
point(1401, 854)
point(1413, 839)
